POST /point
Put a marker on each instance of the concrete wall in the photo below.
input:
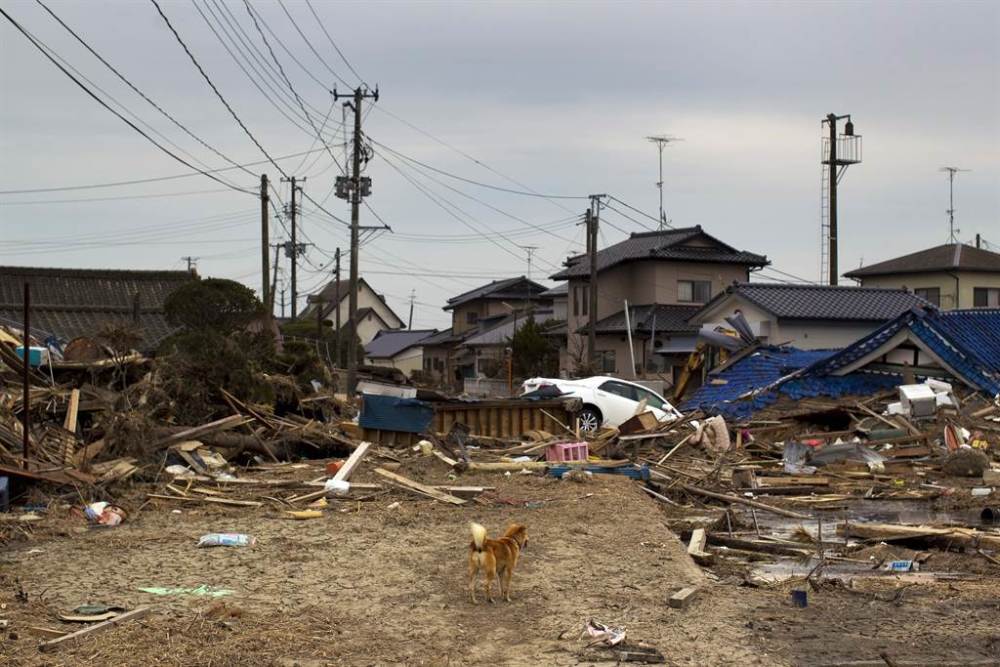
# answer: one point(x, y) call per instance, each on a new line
point(967, 282)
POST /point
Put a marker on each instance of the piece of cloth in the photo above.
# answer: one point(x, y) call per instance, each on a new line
point(713, 435)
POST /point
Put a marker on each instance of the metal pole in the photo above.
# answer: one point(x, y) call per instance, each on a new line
point(832, 120)
point(26, 367)
point(265, 255)
point(631, 349)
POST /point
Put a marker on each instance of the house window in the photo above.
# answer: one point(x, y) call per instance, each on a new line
point(694, 291)
point(606, 361)
point(986, 297)
point(932, 294)
point(471, 317)
point(581, 300)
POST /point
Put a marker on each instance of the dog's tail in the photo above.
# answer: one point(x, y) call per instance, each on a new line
point(478, 535)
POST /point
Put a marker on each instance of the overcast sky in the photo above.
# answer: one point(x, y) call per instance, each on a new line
point(555, 96)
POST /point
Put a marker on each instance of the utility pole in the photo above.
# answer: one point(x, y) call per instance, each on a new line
point(265, 238)
point(336, 296)
point(661, 141)
point(836, 165)
point(192, 266)
point(358, 189)
point(282, 303)
point(413, 296)
point(593, 222)
point(952, 232)
point(293, 214)
point(530, 249)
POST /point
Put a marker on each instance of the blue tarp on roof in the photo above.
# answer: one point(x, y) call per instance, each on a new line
point(389, 413)
point(967, 341)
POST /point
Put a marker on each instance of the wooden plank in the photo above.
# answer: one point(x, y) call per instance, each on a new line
point(218, 501)
point(71, 412)
point(790, 480)
point(94, 629)
point(696, 547)
point(418, 487)
point(352, 462)
point(224, 424)
point(449, 461)
point(743, 501)
point(683, 598)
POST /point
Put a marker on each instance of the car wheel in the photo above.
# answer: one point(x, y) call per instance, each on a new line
point(590, 420)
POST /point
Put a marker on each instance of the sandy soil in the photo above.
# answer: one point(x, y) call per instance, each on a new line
point(372, 585)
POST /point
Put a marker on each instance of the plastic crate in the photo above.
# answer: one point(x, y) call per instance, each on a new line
point(567, 451)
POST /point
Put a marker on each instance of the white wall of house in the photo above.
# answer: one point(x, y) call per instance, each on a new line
point(803, 334)
point(369, 326)
point(407, 361)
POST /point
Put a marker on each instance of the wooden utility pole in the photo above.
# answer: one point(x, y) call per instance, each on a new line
point(409, 323)
point(592, 225)
point(336, 297)
point(25, 379)
point(265, 256)
point(358, 189)
point(294, 252)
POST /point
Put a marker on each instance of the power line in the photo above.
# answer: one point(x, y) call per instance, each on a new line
point(125, 120)
point(143, 95)
point(640, 212)
point(311, 47)
point(120, 198)
point(334, 44)
point(525, 193)
point(155, 179)
point(319, 134)
point(216, 90)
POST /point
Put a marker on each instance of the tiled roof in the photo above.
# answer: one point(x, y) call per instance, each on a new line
point(559, 290)
point(670, 244)
point(668, 319)
point(68, 303)
point(509, 288)
point(949, 257)
point(388, 344)
point(765, 367)
point(501, 332)
point(823, 302)
point(968, 341)
point(445, 337)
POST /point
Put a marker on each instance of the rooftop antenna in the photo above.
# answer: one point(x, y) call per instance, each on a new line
point(661, 141)
point(530, 249)
point(952, 232)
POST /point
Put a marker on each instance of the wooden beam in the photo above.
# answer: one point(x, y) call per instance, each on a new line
point(352, 462)
point(423, 489)
point(743, 501)
point(71, 412)
point(94, 629)
point(683, 598)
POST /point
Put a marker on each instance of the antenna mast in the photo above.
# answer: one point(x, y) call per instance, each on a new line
point(661, 141)
point(952, 232)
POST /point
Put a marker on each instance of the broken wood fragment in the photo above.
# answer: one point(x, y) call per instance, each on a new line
point(683, 598)
point(417, 487)
point(94, 629)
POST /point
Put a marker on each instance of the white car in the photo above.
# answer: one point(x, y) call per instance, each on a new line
point(607, 401)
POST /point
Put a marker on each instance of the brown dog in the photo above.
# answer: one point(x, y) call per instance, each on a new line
point(495, 558)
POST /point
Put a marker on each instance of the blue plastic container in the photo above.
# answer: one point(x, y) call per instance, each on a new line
point(36, 355)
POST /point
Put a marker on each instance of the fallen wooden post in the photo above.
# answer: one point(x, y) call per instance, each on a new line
point(352, 462)
point(742, 501)
point(423, 489)
point(683, 598)
point(100, 627)
point(962, 537)
point(511, 466)
point(217, 501)
point(696, 547)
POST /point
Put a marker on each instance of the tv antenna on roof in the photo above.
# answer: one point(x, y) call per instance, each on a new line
point(661, 141)
point(952, 232)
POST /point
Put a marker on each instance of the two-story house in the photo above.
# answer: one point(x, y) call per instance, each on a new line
point(665, 277)
point(374, 314)
point(472, 313)
point(950, 276)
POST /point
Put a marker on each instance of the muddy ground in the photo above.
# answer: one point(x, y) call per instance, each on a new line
point(371, 584)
